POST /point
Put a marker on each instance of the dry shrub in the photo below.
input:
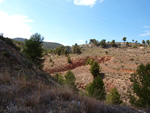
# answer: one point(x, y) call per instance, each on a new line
point(34, 97)
point(33, 100)
point(5, 79)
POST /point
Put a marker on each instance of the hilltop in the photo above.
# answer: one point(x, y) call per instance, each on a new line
point(46, 45)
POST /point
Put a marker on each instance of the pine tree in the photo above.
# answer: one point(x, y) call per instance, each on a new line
point(124, 39)
point(96, 89)
point(95, 68)
point(148, 42)
point(143, 41)
point(70, 79)
point(33, 48)
point(141, 86)
point(59, 78)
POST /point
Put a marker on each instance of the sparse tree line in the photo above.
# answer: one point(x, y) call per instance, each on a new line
point(103, 43)
point(113, 43)
point(65, 50)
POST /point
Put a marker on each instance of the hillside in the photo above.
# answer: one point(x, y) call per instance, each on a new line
point(25, 88)
point(20, 39)
point(116, 65)
point(46, 45)
point(51, 45)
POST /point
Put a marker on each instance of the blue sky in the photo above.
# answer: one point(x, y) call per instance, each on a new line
point(75, 21)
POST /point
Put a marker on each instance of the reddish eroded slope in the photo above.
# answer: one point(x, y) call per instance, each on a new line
point(76, 63)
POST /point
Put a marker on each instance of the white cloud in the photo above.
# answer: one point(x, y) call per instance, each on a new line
point(15, 25)
point(146, 26)
point(80, 41)
point(1, 1)
point(101, 1)
point(86, 2)
point(147, 33)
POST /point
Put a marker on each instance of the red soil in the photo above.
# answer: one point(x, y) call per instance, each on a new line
point(76, 63)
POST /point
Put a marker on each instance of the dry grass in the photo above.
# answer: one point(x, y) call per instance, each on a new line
point(22, 95)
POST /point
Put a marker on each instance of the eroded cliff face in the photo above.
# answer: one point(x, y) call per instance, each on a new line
point(75, 63)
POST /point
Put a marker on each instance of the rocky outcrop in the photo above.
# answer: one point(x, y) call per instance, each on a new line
point(76, 63)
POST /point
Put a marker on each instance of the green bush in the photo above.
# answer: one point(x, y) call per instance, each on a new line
point(94, 41)
point(61, 51)
point(141, 86)
point(103, 43)
point(113, 97)
point(135, 46)
point(76, 49)
point(95, 68)
point(96, 89)
point(59, 78)
point(113, 43)
point(50, 59)
point(89, 61)
point(70, 79)
point(69, 59)
point(127, 43)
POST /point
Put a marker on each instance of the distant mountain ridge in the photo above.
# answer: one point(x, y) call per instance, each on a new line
point(46, 45)
point(19, 39)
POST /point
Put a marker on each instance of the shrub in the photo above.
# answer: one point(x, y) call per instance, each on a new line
point(127, 43)
point(94, 41)
point(89, 61)
point(113, 97)
point(103, 43)
point(70, 79)
point(113, 43)
point(131, 59)
point(96, 89)
point(50, 59)
point(106, 52)
point(69, 59)
point(61, 50)
point(59, 78)
point(95, 69)
point(76, 49)
point(141, 86)
point(135, 46)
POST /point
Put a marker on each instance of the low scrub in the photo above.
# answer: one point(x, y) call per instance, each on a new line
point(89, 61)
point(113, 97)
